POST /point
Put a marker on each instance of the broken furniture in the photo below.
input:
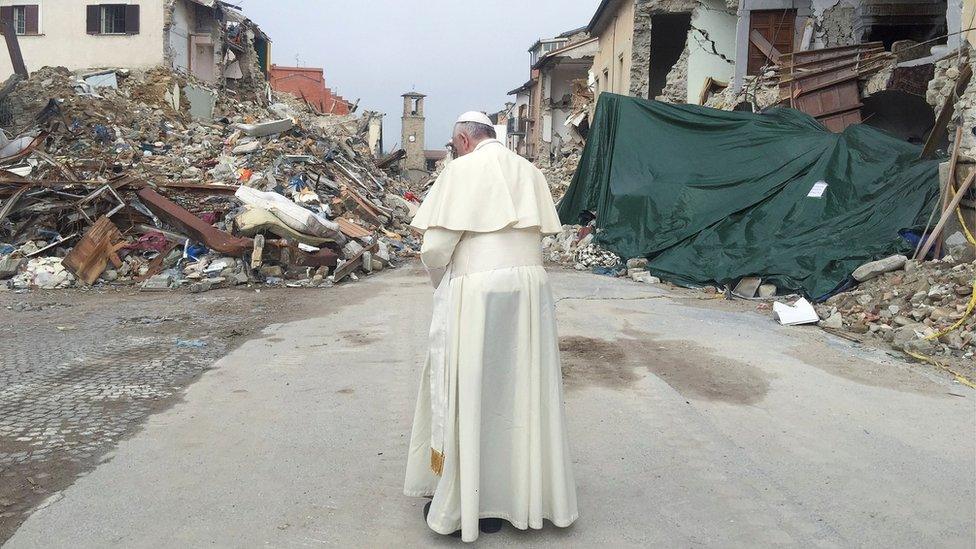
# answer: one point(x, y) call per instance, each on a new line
point(96, 248)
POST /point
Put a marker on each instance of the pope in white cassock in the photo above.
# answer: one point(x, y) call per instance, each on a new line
point(489, 436)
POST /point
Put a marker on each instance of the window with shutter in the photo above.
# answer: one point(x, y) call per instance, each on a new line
point(32, 19)
point(94, 23)
point(24, 18)
point(113, 19)
point(6, 14)
point(132, 19)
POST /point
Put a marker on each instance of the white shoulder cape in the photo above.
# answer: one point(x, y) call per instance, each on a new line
point(488, 190)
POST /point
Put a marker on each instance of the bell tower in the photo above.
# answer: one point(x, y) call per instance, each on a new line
point(413, 134)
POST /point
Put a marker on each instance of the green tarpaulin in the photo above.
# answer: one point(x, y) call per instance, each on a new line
point(712, 196)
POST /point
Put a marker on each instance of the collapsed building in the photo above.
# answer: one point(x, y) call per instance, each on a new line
point(875, 98)
point(211, 40)
point(178, 165)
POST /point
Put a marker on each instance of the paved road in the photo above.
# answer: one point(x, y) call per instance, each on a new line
point(692, 426)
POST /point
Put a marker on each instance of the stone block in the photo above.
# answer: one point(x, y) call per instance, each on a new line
point(875, 268)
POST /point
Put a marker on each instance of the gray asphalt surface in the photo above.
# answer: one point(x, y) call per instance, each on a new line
point(691, 426)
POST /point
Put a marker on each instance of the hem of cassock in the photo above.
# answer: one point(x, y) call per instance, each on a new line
point(558, 523)
point(420, 494)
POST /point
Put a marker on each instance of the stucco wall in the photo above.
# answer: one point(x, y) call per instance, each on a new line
point(712, 27)
point(562, 85)
point(616, 41)
point(63, 40)
point(179, 36)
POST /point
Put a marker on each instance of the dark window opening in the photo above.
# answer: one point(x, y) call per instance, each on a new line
point(669, 33)
point(901, 114)
point(20, 19)
point(113, 19)
point(889, 34)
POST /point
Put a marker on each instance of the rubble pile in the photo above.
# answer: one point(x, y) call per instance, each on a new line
point(574, 246)
point(560, 173)
point(153, 178)
point(947, 72)
point(922, 307)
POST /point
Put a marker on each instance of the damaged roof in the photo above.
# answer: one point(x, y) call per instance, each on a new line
point(602, 10)
point(569, 51)
point(522, 88)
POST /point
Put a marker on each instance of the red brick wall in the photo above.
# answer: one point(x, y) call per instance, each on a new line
point(310, 82)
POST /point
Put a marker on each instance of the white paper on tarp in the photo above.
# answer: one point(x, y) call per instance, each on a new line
point(801, 312)
point(818, 190)
point(291, 214)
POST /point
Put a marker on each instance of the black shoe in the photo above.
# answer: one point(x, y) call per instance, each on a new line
point(490, 525)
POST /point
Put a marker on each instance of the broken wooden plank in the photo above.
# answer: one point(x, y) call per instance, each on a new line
point(946, 214)
point(196, 228)
point(13, 48)
point(351, 229)
point(765, 46)
point(91, 255)
point(354, 263)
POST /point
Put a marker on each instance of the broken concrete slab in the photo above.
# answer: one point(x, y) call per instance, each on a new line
point(265, 129)
point(767, 291)
point(202, 101)
point(247, 148)
point(157, 283)
point(875, 268)
point(747, 287)
point(961, 250)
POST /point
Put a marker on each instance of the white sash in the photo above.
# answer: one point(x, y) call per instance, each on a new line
point(439, 372)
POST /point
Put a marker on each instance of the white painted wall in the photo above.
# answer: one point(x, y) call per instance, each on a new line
point(721, 28)
point(64, 41)
point(562, 84)
point(179, 36)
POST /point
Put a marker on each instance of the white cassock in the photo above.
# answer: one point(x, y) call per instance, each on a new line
point(489, 416)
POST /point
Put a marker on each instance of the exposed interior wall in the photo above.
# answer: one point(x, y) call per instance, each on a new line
point(669, 42)
point(561, 97)
point(711, 45)
point(942, 86)
point(676, 88)
point(640, 59)
point(833, 23)
point(194, 41)
point(178, 40)
point(63, 39)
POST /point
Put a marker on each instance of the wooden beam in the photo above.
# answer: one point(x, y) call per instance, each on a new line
point(951, 180)
point(13, 47)
point(764, 46)
point(947, 214)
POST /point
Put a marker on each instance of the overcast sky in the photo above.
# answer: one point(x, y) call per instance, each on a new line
point(464, 55)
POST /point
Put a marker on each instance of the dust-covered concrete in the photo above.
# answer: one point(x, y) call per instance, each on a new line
point(691, 425)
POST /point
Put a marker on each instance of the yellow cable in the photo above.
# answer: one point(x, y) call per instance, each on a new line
point(969, 311)
point(959, 377)
point(962, 220)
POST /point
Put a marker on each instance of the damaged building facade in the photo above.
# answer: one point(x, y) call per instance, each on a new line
point(543, 105)
point(753, 54)
point(207, 39)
